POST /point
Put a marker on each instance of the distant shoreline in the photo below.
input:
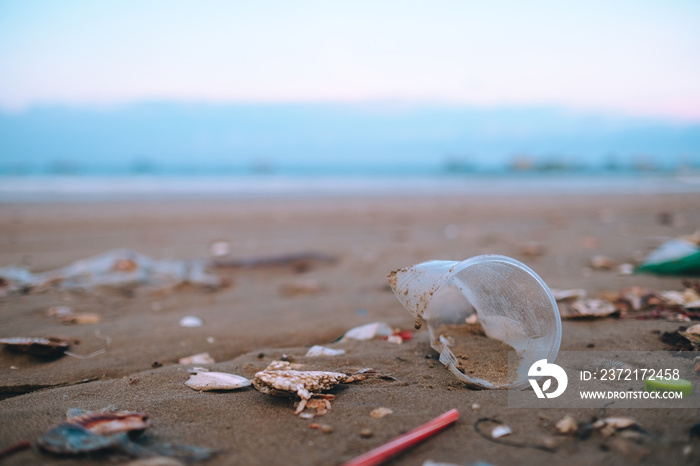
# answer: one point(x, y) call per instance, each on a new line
point(86, 188)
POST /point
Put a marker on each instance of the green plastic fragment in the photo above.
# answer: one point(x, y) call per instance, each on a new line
point(669, 385)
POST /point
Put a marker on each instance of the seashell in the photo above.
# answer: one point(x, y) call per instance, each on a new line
point(586, 308)
point(283, 366)
point(379, 413)
point(201, 358)
point(567, 425)
point(108, 422)
point(610, 425)
point(191, 321)
point(368, 331)
point(301, 383)
point(501, 431)
point(207, 381)
point(692, 334)
point(318, 350)
point(50, 347)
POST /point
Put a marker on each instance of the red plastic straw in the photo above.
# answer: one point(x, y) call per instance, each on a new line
point(405, 441)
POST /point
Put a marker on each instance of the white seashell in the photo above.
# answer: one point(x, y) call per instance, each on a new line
point(318, 350)
point(368, 331)
point(191, 321)
point(206, 381)
point(201, 358)
point(501, 431)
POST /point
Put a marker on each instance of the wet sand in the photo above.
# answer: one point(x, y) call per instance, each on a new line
point(255, 321)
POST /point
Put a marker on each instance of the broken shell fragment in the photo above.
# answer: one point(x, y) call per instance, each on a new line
point(318, 350)
point(501, 431)
point(567, 425)
point(50, 347)
point(108, 422)
point(201, 358)
point(610, 425)
point(379, 413)
point(207, 381)
point(586, 308)
point(692, 334)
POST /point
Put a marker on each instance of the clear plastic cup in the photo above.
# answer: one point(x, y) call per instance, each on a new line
point(512, 304)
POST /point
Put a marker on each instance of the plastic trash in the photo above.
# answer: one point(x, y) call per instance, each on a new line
point(679, 256)
point(512, 303)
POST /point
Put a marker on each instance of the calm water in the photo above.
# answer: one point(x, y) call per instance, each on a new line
point(143, 187)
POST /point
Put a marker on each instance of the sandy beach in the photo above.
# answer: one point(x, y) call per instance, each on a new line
point(268, 312)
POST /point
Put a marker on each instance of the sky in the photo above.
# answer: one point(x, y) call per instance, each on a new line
point(636, 57)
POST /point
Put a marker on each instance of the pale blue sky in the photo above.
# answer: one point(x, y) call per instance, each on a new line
point(629, 57)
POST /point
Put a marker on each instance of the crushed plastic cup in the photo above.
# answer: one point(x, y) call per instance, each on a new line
point(510, 300)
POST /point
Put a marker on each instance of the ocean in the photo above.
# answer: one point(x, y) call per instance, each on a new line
point(93, 188)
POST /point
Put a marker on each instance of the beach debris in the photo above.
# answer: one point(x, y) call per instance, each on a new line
point(692, 334)
point(59, 311)
point(379, 413)
point(325, 428)
point(625, 269)
point(476, 406)
point(587, 308)
point(318, 350)
point(301, 287)
point(220, 248)
point(368, 331)
point(677, 341)
point(119, 268)
point(48, 348)
point(563, 295)
point(298, 262)
point(685, 387)
point(73, 439)
point(109, 422)
point(544, 446)
point(678, 256)
point(567, 425)
point(15, 448)
point(501, 431)
point(319, 402)
point(600, 262)
point(191, 321)
point(277, 365)
point(696, 365)
point(201, 358)
point(610, 425)
point(207, 381)
point(304, 384)
point(405, 441)
point(366, 433)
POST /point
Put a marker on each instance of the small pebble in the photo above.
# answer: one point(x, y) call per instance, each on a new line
point(476, 406)
point(380, 412)
point(366, 433)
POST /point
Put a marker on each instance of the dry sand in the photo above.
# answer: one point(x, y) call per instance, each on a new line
point(254, 321)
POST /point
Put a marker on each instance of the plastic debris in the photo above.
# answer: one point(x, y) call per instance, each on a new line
point(119, 268)
point(678, 256)
point(208, 381)
point(368, 331)
point(405, 441)
point(48, 348)
point(318, 350)
point(191, 321)
point(201, 358)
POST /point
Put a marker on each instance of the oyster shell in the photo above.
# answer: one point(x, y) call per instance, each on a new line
point(108, 422)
